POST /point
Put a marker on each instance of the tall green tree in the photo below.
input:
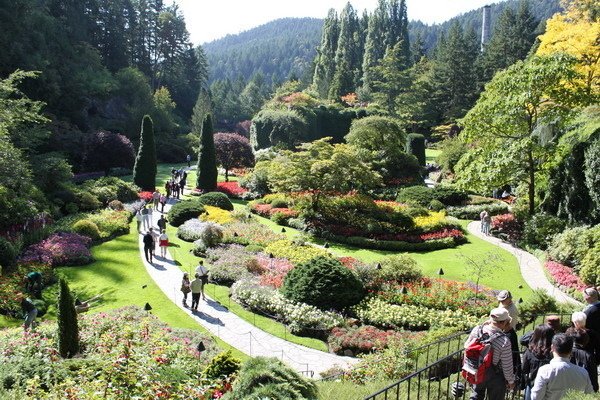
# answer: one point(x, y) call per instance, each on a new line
point(515, 124)
point(144, 169)
point(325, 61)
point(207, 159)
point(391, 78)
point(375, 43)
point(347, 63)
point(68, 330)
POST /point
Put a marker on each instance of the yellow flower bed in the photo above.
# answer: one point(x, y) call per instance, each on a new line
point(430, 220)
point(217, 215)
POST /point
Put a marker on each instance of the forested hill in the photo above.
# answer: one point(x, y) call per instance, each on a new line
point(286, 47)
point(541, 9)
point(277, 50)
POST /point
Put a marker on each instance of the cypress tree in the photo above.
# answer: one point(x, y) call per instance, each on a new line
point(346, 57)
point(375, 43)
point(68, 331)
point(415, 145)
point(207, 159)
point(144, 170)
point(325, 61)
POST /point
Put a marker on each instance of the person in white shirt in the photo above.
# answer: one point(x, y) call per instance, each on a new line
point(555, 379)
point(202, 273)
point(506, 302)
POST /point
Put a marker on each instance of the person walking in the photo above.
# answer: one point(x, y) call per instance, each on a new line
point(185, 287)
point(196, 287)
point(168, 188)
point(156, 199)
point(487, 224)
point(162, 223)
point(189, 160)
point(175, 188)
point(162, 200)
point(506, 302)
point(163, 243)
point(482, 219)
point(148, 246)
point(500, 375)
point(202, 272)
point(181, 186)
point(139, 218)
point(30, 312)
point(538, 353)
point(560, 375)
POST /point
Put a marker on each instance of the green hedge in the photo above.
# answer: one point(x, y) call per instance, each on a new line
point(396, 245)
point(423, 196)
point(472, 211)
point(185, 210)
point(216, 199)
point(415, 145)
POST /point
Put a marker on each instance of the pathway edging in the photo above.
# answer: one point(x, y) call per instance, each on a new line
point(232, 329)
point(531, 268)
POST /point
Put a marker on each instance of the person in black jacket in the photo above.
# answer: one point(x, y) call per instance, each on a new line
point(593, 309)
point(579, 320)
point(581, 357)
point(148, 245)
point(538, 353)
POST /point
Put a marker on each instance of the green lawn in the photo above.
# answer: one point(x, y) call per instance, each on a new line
point(163, 173)
point(119, 274)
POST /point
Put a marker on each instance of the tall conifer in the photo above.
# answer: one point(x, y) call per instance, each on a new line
point(68, 330)
point(207, 159)
point(346, 57)
point(144, 170)
point(325, 63)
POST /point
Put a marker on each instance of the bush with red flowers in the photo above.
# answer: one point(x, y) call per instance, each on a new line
point(359, 340)
point(232, 189)
point(564, 277)
point(60, 249)
point(508, 227)
point(146, 196)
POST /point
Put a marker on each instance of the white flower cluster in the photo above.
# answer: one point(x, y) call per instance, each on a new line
point(298, 316)
point(209, 233)
point(378, 312)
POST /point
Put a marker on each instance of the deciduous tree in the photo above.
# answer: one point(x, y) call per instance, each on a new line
point(233, 151)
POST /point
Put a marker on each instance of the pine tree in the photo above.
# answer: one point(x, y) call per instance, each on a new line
point(346, 57)
point(207, 159)
point(325, 64)
point(391, 78)
point(68, 330)
point(375, 44)
point(144, 170)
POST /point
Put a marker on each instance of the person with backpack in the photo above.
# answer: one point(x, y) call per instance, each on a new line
point(488, 363)
point(538, 353)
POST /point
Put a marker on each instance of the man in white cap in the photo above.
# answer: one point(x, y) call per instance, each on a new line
point(505, 299)
point(500, 375)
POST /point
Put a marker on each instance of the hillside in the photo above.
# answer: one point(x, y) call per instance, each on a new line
point(286, 47)
point(278, 49)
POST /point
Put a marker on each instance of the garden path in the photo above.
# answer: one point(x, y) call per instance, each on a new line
point(531, 267)
point(233, 330)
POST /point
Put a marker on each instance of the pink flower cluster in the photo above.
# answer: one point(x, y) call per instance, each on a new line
point(276, 270)
point(59, 249)
point(265, 210)
point(564, 276)
point(232, 189)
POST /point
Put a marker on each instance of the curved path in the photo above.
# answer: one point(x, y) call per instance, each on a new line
point(531, 267)
point(233, 330)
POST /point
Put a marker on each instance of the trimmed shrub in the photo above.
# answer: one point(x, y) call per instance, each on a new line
point(415, 145)
point(87, 228)
point(571, 246)
point(144, 170)
point(207, 234)
point(207, 159)
point(450, 196)
point(185, 210)
point(116, 205)
point(222, 365)
point(324, 283)
point(269, 378)
point(8, 254)
point(417, 195)
point(216, 199)
point(436, 205)
point(68, 330)
point(473, 211)
point(111, 223)
point(399, 268)
point(397, 245)
point(540, 230)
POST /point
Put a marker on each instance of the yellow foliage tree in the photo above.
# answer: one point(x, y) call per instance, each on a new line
point(576, 32)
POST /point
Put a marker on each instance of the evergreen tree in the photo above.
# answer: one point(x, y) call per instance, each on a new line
point(144, 169)
point(207, 159)
point(398, 28)
point(346, 57)
point(325, 64)
point(391, 78)
point(375, 44)
point(68, 330)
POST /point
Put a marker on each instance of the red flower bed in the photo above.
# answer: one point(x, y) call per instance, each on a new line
point(564, 276)
point(232, 189)
point(146, 196)
point(360, 340)
point(265, 210)
point(444, 233)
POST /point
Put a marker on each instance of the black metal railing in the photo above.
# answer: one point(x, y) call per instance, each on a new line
point(430, 352)
point(438, 380)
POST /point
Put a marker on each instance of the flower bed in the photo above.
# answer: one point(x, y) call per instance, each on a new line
point(275, 270)
point(300, 318)
point(216, 215)
point(564, 276)
point(111, 223)
point(360, 340)
point(440, 294)
point(507, 227)
point(396, 245)
point(146, 196)
point(380, 313)
point(232, 189)
point(246, 233)
point(126, 353)
point(60, 249)
point(267, 211)
point(228, 264)
point(294, 252)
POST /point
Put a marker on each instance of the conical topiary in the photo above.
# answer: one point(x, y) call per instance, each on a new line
point(207, 159)
point(68, 331)
point(144, 170)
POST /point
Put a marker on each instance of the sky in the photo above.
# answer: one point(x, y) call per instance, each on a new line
point(210, 20)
